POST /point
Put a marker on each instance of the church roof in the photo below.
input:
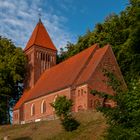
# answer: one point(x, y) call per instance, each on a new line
point(92, 65)
point(21, 100)
point(40, 37)
point(73, 71)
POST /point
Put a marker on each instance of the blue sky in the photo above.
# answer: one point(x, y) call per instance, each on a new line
point(65, 20)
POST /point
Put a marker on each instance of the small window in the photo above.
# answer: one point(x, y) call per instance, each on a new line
point(43, 107)
point(32, 109)
point(78, 92)
point(82, 92)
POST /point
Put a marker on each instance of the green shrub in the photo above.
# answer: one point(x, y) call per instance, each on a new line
point(70, 124)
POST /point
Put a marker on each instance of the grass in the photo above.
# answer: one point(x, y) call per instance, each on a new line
point(92, 127)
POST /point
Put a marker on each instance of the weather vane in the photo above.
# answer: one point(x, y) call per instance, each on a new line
point(39, 16)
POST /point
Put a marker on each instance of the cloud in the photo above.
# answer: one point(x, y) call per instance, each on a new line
point(19, 17)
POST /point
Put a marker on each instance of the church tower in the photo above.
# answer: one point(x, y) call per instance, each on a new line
point(41, 54)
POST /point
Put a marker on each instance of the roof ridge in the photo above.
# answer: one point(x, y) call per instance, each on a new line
point(37, 31)
point(96, 47)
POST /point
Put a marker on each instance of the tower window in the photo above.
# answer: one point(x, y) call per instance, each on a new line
point(48, 57)
point(41, 56)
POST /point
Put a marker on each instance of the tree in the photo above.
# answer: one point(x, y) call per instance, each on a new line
point(12, 72)
point(123, 119)
point(62, 107)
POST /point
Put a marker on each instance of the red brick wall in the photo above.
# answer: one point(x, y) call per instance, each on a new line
point(81, 98)
point(29, 79)
point(39, 59)
point(16, 117)
point(37, 102)
point(98, 80)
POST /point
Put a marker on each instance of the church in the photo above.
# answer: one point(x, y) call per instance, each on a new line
point(73, 78)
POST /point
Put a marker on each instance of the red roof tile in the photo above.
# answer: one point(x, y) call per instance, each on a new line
point(64, 74)
point(21, 100)
point(92, 65)
point(40, 37)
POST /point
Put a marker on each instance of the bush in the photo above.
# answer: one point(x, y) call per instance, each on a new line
point(70, 124)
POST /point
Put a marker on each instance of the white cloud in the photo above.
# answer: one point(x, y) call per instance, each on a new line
point(19, 17)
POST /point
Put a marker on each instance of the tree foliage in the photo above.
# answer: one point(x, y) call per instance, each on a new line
point(123, 119)
point(12, 72)
point(63, 107)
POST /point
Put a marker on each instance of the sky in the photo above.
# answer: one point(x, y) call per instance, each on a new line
point(65, 20)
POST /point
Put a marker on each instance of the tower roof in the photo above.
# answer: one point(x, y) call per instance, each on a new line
point(40, 37)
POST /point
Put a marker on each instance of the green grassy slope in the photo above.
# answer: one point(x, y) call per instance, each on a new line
point(92, 128)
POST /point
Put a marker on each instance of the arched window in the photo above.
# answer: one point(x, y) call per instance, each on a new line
point(43, 107)
point(54, 100)
point(32, 109)
point(80, 108)
point(82, 91)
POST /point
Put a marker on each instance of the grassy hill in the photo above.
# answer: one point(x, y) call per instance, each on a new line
point(92, 128)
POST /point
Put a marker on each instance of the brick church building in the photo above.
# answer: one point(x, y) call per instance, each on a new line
point(73, 78)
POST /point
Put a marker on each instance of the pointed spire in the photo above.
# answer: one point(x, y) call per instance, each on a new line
point(40, 37)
